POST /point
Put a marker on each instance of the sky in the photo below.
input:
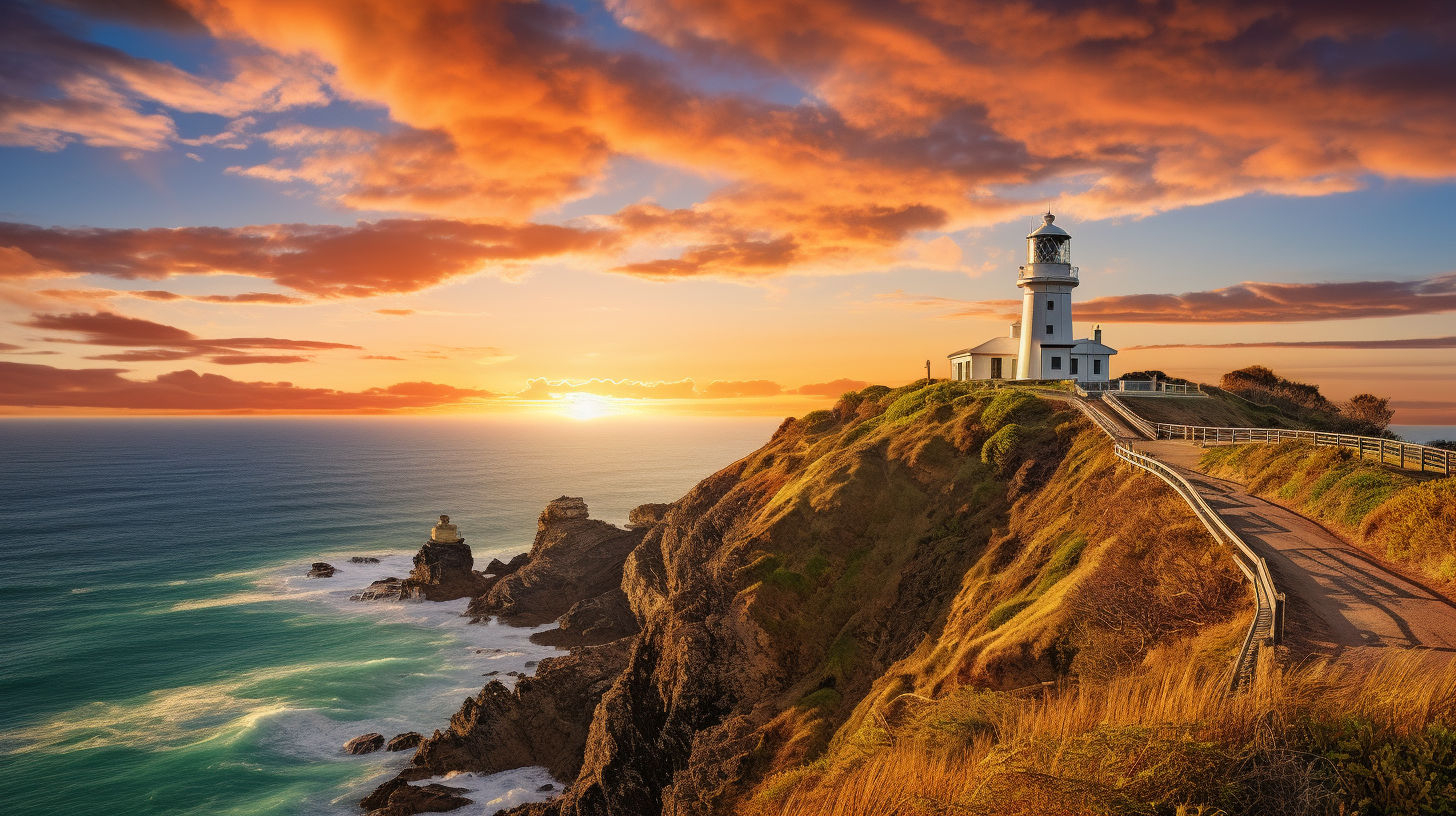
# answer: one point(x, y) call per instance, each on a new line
point(708, 206)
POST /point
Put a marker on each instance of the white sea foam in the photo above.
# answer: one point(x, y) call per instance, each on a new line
point(493, 793)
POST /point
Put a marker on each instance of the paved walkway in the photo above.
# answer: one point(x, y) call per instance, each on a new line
point(1339, 597)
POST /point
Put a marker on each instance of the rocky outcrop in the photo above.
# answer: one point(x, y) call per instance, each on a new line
point(543, 721)
point(389, 589)
point(398, 798)
point(602, 619)
point(364, 744)
point(321, 570)
point(364, 559)
point(501, 568)
point(444, 571)
point(405, 741)
point(646, 515)
point(573, 558)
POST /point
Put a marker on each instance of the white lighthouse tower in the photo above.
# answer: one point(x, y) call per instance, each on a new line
point(1042, 342)
point(1046, 282)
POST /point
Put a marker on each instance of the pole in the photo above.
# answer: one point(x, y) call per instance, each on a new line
point(927, 373)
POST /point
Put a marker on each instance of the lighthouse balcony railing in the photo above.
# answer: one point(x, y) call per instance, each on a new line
point(1031, 273)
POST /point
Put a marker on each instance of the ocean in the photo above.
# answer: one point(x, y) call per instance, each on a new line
point(164, 653)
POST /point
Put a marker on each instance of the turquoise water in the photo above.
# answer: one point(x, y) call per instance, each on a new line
point(162, 651)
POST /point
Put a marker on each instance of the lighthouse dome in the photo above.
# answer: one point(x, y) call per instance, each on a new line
point(1048, 228)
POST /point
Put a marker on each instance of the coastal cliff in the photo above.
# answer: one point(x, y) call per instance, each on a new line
point(909, 543)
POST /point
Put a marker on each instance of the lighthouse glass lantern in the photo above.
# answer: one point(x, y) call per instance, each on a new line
point(1050, 248)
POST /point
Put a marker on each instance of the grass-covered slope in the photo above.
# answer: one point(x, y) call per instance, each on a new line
point(1218, 409)
point(925, 540)
point(1404, 518)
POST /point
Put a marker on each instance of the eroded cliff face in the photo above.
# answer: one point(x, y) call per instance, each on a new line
point(574, 558)
point(909, 542)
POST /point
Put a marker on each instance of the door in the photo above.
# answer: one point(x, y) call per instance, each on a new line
point(995, 368)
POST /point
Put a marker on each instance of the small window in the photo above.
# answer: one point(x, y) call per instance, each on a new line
point(1074, 365)
point(1096, 366)
point(1051, 305)
point(1049, 328)
point(1056, 364)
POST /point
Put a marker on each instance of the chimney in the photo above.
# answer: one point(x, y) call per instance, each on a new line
point(1016, 330)
point(1097, 334)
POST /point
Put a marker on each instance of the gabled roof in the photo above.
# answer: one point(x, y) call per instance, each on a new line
point(999, 347)
point(1088, 346)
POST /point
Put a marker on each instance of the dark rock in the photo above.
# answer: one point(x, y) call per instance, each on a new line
point(321, 570)
point(573, 558)
point(543, 721)
point(397, 798)
point(531, 664)
point(363, 559)
point(405, 741)
point(443, 572)
point(364, 744)
point(646, 515)
point(546, 787)
point(389, 589)
point(501, 568)
point(598, 620)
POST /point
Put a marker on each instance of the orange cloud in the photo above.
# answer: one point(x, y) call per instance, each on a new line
point(742, 388)
point(384, 257)
point(58, 89)
point(254, 359)
point(934, 115)
point(170, 342)
point(833, 388)
point(39, 386)
point(395, 312)
point(1249, 302)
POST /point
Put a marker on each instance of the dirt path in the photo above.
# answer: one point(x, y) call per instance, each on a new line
point(1340, 599)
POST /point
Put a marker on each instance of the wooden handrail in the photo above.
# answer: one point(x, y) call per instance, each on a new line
point(1407, 455)
point(1268, 623)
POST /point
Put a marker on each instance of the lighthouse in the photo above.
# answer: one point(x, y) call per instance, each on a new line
point(1042, 345)
point(1046, 280)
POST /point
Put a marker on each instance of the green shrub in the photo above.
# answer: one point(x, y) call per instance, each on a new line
point(1006, 612)
point(1004, 407)
point(1062, 562)
point(1002, 448)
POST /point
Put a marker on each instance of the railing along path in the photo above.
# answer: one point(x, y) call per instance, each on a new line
point(1388, 451)
point(1268, 624)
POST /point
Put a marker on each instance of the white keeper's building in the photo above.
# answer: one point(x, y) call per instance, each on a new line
point(1040, 345)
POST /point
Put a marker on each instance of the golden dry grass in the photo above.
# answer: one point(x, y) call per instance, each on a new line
point(1394, 515)
point(1165, 740)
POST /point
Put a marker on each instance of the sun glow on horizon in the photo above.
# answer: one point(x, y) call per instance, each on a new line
point(585, 406)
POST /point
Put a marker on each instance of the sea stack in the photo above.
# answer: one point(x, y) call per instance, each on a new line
point(443, 568)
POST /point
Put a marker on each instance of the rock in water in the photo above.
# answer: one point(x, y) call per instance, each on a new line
point(388, 589)
point(443, 572)
point(363, 559)
point(405, 741)
point(542, 721)
point(321, 570)
point(364, 744)
point(397, 798)
point(572, 559)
